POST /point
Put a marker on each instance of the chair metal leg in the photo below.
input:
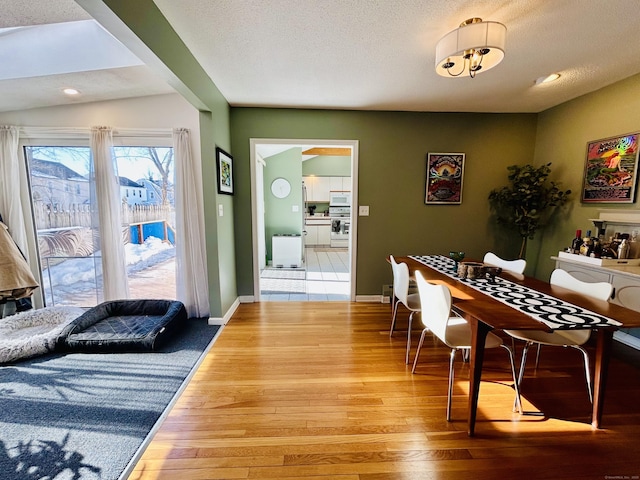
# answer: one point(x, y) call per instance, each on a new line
point(415, 360)
point(523, 364)
point(406, 361)
point(587, 370)
point(452, 357)
point(393, 317)
point(521, 376)
point(538, 355)
point(518, 402)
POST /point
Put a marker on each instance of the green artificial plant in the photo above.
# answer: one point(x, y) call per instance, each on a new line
point(528, 202)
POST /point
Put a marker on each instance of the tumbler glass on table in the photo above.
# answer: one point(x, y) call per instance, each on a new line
point(456, 257)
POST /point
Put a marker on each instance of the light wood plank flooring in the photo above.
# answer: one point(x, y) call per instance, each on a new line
point(320, 391)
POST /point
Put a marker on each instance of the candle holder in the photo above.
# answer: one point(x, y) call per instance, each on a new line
point(456, 257)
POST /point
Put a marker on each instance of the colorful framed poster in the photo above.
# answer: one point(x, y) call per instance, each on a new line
point(611, 169)
point(224, 163)
point(445, 172)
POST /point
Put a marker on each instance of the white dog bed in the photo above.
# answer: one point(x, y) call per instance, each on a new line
point(33, 332)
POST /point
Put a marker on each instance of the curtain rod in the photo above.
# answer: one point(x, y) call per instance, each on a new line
point(85, 132)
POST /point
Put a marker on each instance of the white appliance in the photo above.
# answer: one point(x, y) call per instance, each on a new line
point(340, 226)
point(339, 198)
point(286, 251)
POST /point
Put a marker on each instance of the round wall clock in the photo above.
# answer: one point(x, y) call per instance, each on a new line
point(280, 188)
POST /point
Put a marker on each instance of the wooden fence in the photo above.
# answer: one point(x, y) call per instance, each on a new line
point(79, 215)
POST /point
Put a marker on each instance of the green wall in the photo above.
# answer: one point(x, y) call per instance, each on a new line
point(563, 134)
point(279, 216)
point(391, 172)
point(327, 166)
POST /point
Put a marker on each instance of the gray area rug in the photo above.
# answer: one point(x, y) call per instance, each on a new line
point(85, 416)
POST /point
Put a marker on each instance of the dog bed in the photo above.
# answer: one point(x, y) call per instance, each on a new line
point(34, 332)
point(123, 325)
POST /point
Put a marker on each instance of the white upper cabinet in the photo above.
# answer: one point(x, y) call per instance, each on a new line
point(318, 188)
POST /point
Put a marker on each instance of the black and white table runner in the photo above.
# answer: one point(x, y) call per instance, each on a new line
point(553, 312)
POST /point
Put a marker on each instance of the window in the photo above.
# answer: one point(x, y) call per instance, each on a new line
point(69, 243)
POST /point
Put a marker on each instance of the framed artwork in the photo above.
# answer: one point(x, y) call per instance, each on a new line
point(611, 169)
point(224, 163)
point(445, 173)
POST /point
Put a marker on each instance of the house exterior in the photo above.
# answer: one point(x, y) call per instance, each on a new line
point(132, 193)
point(56, 186)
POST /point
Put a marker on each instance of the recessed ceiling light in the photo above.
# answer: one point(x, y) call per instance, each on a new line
point(547, 79)
point(71, 91)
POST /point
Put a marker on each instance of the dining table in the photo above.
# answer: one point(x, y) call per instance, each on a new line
point(487, 310)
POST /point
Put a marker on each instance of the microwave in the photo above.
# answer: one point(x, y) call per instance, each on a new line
point(339, 198)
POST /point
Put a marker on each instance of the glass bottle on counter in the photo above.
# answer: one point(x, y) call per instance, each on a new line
point(577, 242)
point(587, 245)
point(623, 249)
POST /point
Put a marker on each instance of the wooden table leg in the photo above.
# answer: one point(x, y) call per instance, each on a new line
point(603, 352)
point(479, 332)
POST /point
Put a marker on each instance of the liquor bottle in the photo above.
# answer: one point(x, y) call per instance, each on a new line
point(587, 245)
point(623, 249)
point(575, 245)
point(597, 248)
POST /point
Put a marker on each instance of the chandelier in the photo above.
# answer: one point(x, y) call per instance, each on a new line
point(474, 47)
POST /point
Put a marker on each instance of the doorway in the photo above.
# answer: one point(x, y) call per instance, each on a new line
point(323, 272)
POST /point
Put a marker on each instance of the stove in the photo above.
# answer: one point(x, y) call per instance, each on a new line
point(340, 226)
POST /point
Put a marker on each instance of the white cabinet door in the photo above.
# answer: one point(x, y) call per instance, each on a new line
point(626, 292)
point(335, 183)
point(317, 189)
point(312, 235)
point(324, 235)
point(585, 274)
point(321, 189)
point(309, 183)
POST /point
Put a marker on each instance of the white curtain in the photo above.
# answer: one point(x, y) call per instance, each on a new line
point(10, 203)
point(191, 259)
point(107, 190)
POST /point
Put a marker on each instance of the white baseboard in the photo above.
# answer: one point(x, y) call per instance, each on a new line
point(247, 299)
point(369, 298)
point(627, 339)
point(229, 313)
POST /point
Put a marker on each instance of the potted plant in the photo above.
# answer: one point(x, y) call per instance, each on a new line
point(528, 202)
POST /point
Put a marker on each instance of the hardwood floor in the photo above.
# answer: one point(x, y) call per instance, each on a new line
point(320, 391)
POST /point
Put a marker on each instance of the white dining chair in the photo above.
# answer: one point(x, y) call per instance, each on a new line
point(515, 266)
point(453, 331)
point(564, 338)
point(411, 301)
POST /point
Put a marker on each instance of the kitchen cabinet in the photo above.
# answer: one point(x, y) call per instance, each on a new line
point(324, 234)
point(311, 237)
point(340, 183)
point(318, 231)
point(626, 289)
point(318, 188)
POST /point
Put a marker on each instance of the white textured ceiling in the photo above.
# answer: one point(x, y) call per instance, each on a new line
point(46, 46)
point(364, 54)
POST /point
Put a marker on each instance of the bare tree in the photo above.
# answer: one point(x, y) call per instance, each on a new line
point(162, 159)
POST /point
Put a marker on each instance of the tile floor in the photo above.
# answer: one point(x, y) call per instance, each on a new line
point(327, 279)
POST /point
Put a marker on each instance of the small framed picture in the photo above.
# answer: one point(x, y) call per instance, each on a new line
point(224, 163)
point(444, 177)
point(611, 169)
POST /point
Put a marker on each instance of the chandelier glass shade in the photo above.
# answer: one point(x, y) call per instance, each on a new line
point(474, 47)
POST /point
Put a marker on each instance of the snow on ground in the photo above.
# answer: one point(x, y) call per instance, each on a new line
point(78, 275)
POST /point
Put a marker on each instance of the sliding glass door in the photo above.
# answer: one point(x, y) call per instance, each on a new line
point(68, 232)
